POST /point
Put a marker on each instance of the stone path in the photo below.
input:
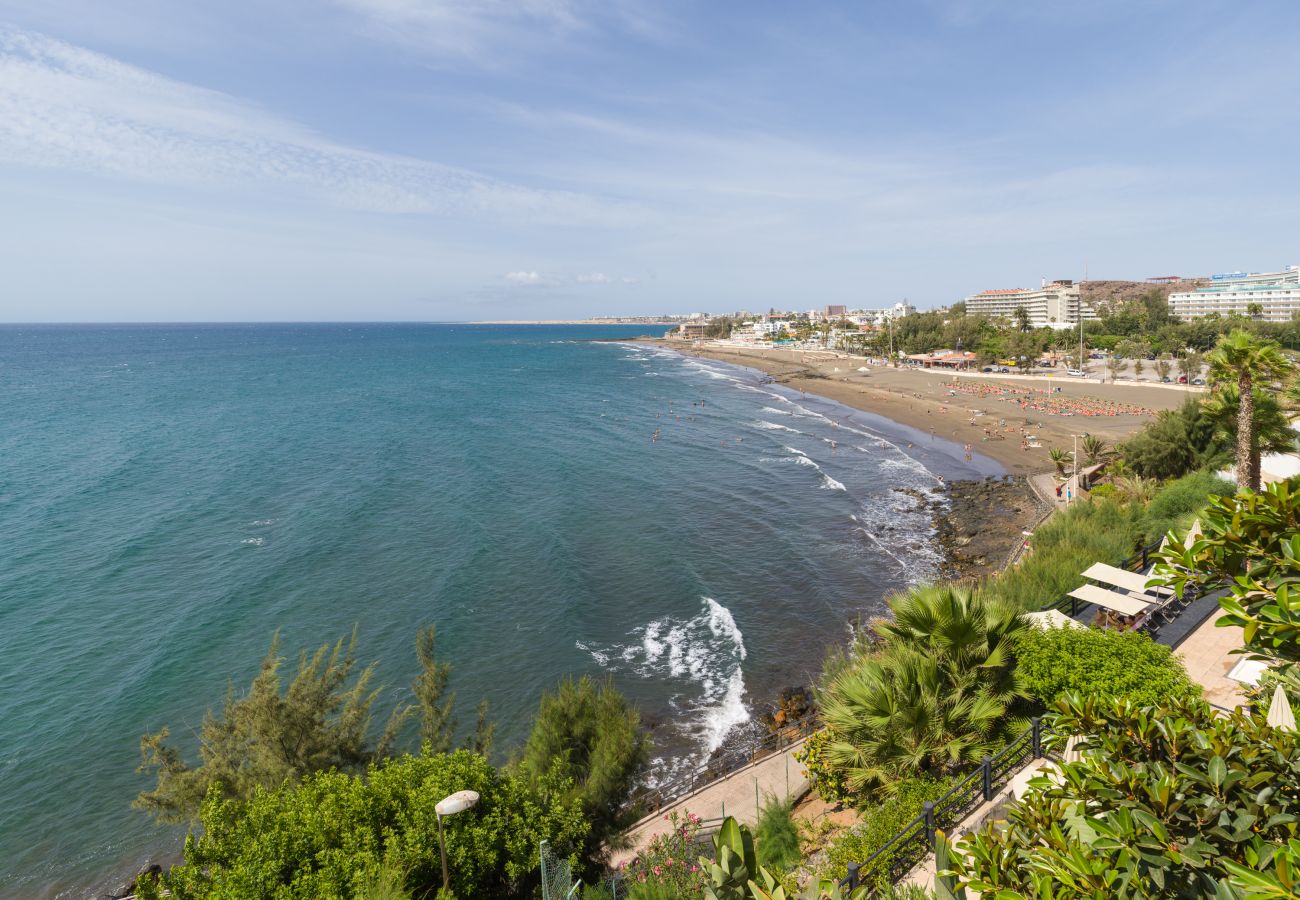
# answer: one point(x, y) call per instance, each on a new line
point(779, 775)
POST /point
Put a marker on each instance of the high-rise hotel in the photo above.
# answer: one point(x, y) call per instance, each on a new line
point(1276, 293)
point(1055, 304)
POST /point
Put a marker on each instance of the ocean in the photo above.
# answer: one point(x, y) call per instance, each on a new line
point(172, 495)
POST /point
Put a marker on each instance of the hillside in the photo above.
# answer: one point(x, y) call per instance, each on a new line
point(1102, 293)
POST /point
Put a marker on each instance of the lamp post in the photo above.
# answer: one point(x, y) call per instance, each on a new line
point(449, 806)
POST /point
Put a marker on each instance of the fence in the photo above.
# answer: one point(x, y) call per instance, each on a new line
point(649, 799)
point(916, 840)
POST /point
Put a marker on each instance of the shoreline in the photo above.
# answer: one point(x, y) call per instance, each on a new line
point(921, 400)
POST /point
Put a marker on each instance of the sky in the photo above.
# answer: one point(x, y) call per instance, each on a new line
point(453, 160)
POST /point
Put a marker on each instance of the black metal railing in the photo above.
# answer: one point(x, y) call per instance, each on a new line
point(652, 798)
point(916, 840)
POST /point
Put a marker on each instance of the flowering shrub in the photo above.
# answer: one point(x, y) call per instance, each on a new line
point(670, 861)
point(827, 780)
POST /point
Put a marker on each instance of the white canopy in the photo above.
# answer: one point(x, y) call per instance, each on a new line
point(1050, 618)
point(1120, 603)
point(1279, 711)
point(1129, 581)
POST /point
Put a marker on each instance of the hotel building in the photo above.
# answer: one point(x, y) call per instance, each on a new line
point(1277, 293)
point(1055, 304)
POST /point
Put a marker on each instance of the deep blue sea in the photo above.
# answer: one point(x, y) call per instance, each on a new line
point(171, 495)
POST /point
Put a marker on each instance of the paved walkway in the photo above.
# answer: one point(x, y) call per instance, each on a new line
point(1207, 654)
point(778, 775)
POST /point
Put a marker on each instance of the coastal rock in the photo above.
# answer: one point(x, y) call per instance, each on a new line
point(977, 530)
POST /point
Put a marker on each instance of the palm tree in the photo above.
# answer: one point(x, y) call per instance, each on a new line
point(1185, 365)
point(1272, 432)
point(1112, 366)
point(932, 695)
point(1136, 489)
point(1137, 368)
point(1163, 368)
point(1242, 359)
point(1095, 450)
point(1058, 458)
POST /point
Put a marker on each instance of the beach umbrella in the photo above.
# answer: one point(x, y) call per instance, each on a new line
point(1279, 711)
point(1072, 753)
point(1193, 534)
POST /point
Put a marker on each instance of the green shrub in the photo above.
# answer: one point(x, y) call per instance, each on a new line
point(1179, 501)
point(669, 863)
point(1168, 801)
point(776, 836)
point(335, 834)
point(881, 824)
point(1097, 661)
point(827, 780)
point(1071, 540)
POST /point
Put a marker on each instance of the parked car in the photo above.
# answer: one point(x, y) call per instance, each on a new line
point(1198, 381)
point(1182, 379)
point(1165, 379)
point(987, 369)
point(1077, 373)
point(1003, 369)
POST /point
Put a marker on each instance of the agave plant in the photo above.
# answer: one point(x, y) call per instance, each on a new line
point(1059, 458)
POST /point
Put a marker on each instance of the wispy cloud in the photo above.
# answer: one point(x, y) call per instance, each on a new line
point(594, 278)
point(492, 33)
point(65, 107)
point(526, 279)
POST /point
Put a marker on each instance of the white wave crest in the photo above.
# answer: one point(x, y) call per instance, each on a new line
point(706, 651)
point(830, 484)
point(772, 427)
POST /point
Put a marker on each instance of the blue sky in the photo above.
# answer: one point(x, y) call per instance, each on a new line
point(453, 160)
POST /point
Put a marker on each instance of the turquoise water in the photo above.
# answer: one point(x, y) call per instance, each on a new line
point(170, 495)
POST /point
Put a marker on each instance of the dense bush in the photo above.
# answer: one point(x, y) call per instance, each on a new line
point(1165, 802)
point(1065, 545)
point(333, 834)
point(880, 824)
point(591, 731)
point(668, 866)
point(776, 836)
point(1098, 662)
point(827, 778)
point(1181, 500)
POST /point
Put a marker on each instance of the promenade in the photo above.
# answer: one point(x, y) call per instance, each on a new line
point(740, 794)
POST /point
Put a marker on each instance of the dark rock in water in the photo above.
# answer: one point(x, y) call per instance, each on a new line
point(983, 524)
point(127, 888)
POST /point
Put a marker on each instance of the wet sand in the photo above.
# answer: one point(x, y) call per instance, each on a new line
point(920, 398)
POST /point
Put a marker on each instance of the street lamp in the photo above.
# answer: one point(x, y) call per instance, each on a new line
point(449, 806)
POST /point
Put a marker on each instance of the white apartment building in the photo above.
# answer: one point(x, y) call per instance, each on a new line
point(1055, 304)
point(1277, 293)
point(881, 316)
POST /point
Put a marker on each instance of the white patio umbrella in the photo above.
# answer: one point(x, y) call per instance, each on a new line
point(1279, 711)
point(1193, 534)
point(1072, 753)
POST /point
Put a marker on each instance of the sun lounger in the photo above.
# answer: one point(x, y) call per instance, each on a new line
point(1121, 578)
point(1120, 603)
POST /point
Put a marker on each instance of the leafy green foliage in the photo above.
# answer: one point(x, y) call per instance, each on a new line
point(827, 778)
point(437, 706)
point(880, 824)
point(1176, 442)
point(333, 835)
point(1163, 799)
point(776, 836)
point(734, 862)
point(272, 734)
point(931, 696)
point(594, 735)
point(1251, 541)
point(1099, 662)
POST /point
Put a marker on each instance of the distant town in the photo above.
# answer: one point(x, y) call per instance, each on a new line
point(1060, 321)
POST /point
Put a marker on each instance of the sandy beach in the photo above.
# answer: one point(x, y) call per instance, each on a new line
point(969, 408)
